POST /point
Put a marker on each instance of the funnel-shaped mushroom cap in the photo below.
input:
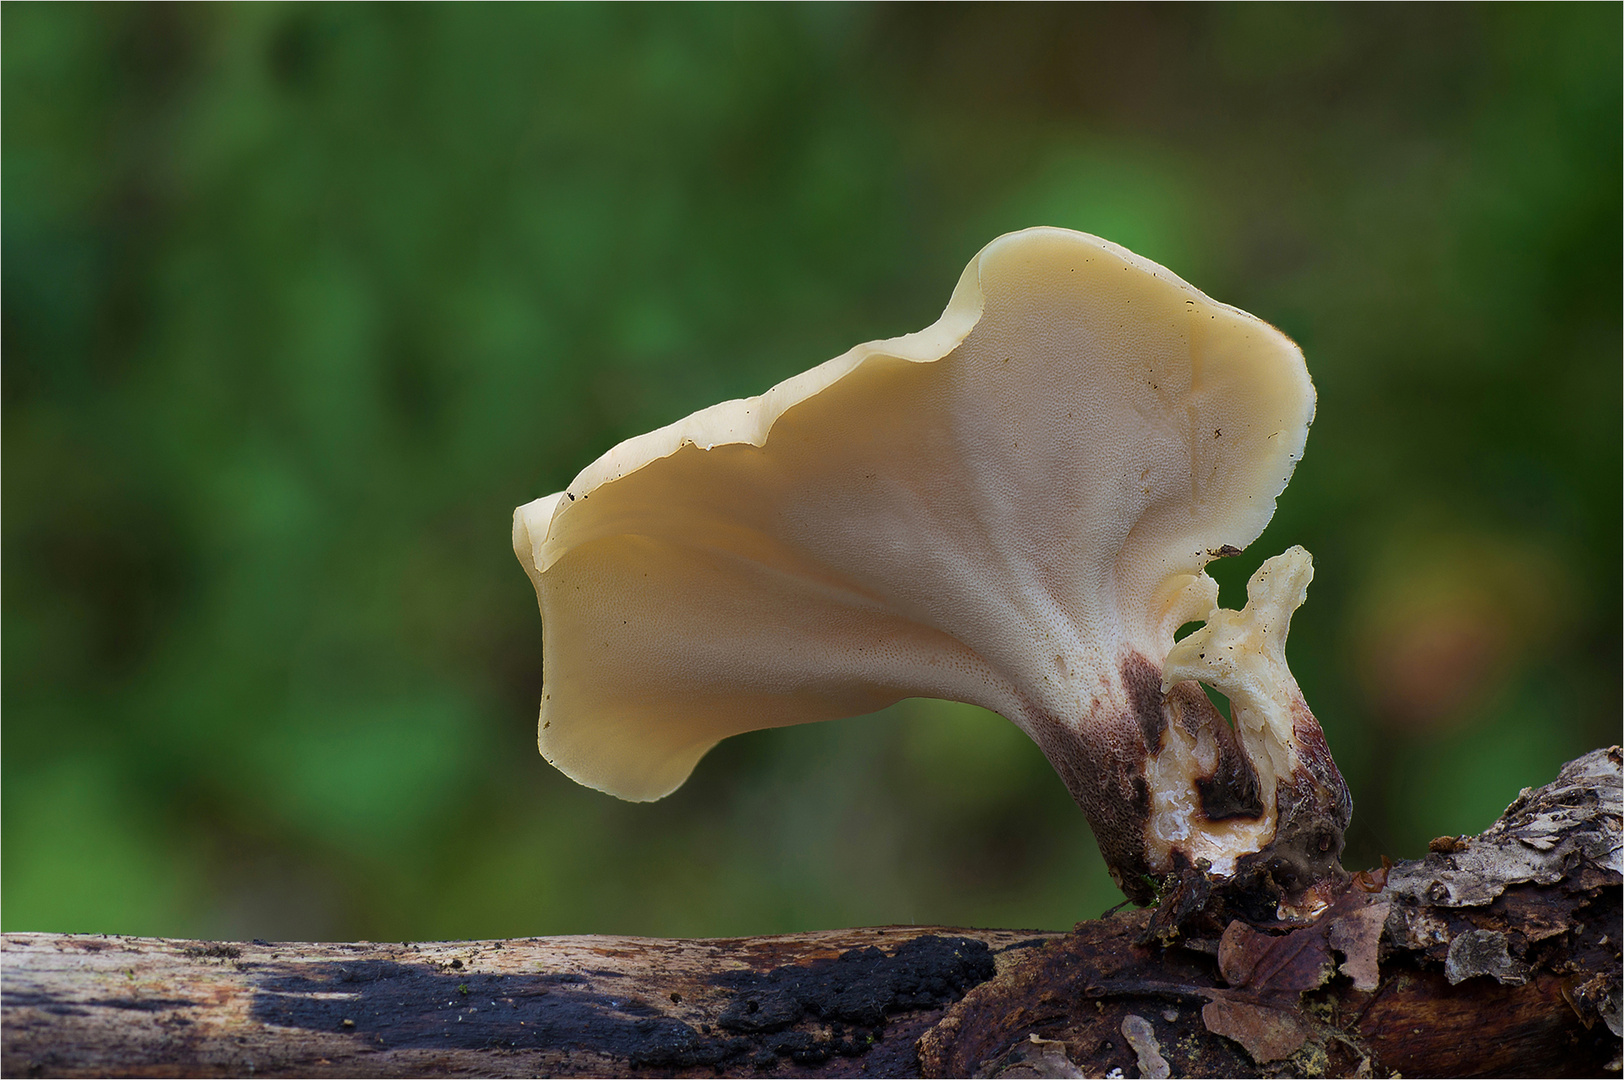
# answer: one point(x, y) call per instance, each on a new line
point(1011, 508)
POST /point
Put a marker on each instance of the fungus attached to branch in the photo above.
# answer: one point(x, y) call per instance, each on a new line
point(1012, 508)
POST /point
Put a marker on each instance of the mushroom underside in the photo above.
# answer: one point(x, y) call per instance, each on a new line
point(1010, 508)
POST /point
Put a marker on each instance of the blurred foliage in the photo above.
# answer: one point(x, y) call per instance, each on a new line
point(300, 301)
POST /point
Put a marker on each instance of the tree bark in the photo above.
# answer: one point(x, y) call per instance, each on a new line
point(1495, 955)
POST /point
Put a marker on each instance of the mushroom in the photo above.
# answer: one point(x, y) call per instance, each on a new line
point(1013, 508)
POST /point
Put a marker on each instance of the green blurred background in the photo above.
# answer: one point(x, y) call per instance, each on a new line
point(301, 301)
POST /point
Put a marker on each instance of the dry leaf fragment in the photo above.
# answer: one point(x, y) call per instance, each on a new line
point(1285, 964)
point(1357, 936)
point(1266, 1034)
point(1238, 952)
point(1373, 880)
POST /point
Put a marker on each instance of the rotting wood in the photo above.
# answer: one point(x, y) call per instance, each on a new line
point(1494, 955)
point(839, 1003)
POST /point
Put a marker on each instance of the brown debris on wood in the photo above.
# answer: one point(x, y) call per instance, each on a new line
point(1494, 955)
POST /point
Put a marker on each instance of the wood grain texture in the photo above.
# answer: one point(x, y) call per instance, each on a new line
point(840, 1003)
point(1495, 955)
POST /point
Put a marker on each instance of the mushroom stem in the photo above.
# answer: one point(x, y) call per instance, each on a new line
point(1242, 654)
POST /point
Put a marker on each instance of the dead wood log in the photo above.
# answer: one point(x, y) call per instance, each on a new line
point(1495, 955)
point(839, 1003)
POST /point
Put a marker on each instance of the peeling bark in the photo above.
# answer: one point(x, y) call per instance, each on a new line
point(1495, 955)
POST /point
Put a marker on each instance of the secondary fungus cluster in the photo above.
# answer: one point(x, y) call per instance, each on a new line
point(1013, 508)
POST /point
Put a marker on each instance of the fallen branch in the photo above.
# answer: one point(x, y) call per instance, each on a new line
point(1496, 954)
